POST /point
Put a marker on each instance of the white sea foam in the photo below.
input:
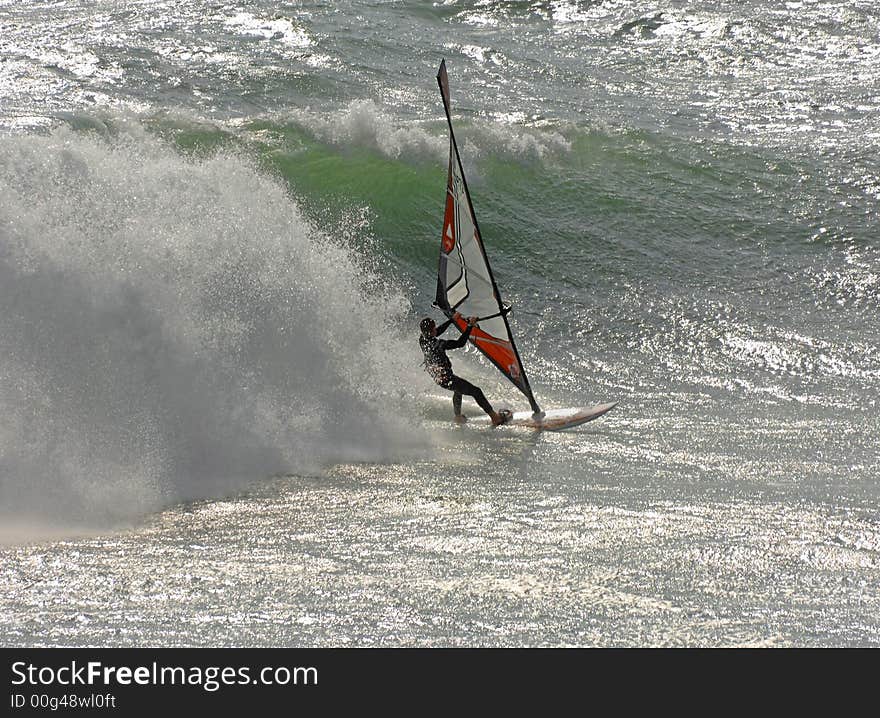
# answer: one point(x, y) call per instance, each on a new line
point(281, 29)
point(363, 123)
point(171, 328)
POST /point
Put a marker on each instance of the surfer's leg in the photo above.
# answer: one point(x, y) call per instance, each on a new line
point(456, 403)
point(460, 386)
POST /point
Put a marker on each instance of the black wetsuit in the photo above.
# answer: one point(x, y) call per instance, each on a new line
point(439, 367)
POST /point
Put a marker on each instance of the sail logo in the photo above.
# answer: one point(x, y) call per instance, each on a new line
point(449, 224)
point(513, 370)
point(448, 239)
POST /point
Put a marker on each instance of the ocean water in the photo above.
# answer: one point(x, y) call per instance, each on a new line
point(219, 226)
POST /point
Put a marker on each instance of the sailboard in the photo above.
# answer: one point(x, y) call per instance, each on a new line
point(553, 419)
point(465, 284)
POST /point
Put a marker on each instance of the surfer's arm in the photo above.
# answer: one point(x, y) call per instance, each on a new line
point(461, 341)
point(443, 327)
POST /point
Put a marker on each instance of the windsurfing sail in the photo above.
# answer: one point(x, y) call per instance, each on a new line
point(464, 279)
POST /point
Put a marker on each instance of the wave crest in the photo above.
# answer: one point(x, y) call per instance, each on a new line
point(172, 328)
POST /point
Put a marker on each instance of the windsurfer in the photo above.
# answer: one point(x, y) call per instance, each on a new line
point(438, 365)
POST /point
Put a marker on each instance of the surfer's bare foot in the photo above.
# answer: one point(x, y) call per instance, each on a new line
point(460, 419)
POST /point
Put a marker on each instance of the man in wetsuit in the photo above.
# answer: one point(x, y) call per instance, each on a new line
point(439, 367)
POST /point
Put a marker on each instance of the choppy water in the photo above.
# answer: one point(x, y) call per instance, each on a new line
point(218, 227)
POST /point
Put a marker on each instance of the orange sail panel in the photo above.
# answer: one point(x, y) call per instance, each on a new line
point(464, 279)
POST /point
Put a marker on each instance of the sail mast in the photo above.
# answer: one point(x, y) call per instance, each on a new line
point(517, 373)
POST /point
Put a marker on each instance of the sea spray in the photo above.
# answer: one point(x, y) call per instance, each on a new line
point(171, 328)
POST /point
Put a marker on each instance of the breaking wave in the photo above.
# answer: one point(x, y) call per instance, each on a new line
point(172, 328)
